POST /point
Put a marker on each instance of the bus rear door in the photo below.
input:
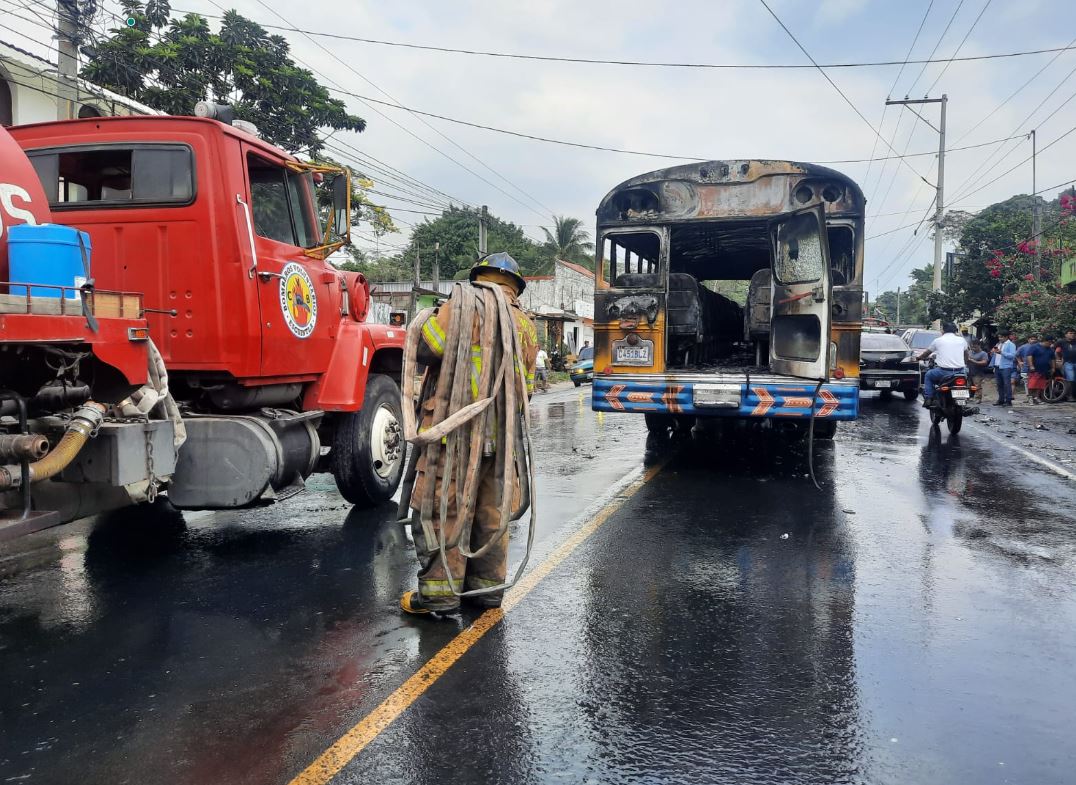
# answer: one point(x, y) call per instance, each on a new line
point(799, 343)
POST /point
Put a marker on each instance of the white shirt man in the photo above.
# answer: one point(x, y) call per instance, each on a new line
point(948, 351)
point(950, 354)
point(541, 369)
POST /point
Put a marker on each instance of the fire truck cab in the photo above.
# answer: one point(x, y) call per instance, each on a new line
point(266, 344)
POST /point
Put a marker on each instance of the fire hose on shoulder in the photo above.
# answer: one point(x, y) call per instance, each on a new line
point(465, 418)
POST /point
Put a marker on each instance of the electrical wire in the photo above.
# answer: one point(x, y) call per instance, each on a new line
point(885, 107)
point(1015, 245)
point(833, 84)
point(482, 163)
point(960, 46)
point(642, 63)
point(915, 127)
point(1011, 95)
point(1017, 166)
point(959, 191)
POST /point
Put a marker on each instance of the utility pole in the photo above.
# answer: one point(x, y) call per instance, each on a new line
point(437, 266)
point(898, 306)
point(67, 58)
point(482, 226)
point(1036, 213)
point(939, 213)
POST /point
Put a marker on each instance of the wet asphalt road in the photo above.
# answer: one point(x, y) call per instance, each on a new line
point(912, 622)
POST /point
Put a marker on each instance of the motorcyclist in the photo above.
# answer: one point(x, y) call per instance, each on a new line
point(950, 352)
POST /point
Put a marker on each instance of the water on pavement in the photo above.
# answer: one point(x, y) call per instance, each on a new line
point(912, 621)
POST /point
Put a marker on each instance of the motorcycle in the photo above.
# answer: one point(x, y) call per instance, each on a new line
point(951, 397)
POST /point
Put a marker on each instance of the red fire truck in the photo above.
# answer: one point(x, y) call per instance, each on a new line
point(213, 354)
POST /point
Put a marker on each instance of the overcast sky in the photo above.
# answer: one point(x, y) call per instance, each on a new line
point(709, 113)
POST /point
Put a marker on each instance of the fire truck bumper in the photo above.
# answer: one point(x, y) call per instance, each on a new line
point(726, 396)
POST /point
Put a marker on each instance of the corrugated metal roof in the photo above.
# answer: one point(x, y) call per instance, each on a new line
point(403, 287)
point(33, 62)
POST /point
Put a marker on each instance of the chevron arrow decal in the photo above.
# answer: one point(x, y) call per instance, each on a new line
point(765, 401)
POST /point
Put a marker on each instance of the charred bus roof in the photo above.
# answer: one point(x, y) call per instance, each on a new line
point(714, 190)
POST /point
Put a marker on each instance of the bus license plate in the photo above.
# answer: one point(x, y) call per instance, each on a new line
point(961, 395)
point(880, 383)
point(640, 354)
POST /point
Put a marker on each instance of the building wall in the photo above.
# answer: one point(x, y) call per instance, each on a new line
point(33, 88)
point(570, 290)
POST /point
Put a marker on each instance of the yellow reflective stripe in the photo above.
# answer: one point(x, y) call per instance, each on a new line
point(482, 583)
point(438, 588)
point(476, 368)
point(434, 336)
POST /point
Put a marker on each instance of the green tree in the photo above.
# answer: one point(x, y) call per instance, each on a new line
point(172, 64)
point(455, 231)
point(568, 240)
point(1000, 226)
point(914, 300)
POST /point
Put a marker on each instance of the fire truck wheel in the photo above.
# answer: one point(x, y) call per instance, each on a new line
point(368, 446)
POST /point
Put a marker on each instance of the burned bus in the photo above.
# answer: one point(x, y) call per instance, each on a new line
point(730, 289)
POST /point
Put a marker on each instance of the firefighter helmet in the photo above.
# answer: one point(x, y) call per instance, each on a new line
point(504, 263)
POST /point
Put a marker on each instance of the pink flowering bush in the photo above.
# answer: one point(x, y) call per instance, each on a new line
point(1027, 304)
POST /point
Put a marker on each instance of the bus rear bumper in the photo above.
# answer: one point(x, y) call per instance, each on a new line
point(741, 397)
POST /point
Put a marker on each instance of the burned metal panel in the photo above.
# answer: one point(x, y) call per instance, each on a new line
point(721, 189)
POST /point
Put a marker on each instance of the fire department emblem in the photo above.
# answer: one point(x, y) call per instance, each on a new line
point(298, 301)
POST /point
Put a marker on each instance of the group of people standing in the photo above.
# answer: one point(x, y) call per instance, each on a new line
point(1033, 362)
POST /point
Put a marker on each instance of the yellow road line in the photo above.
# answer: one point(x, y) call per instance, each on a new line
point(329, 763)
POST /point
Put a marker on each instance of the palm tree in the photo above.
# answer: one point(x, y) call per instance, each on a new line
point(569, 240)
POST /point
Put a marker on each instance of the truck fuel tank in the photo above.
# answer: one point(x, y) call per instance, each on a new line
point(236, 461)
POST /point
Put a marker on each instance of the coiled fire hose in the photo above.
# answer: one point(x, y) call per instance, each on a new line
point(464, 421)
point(155, 396)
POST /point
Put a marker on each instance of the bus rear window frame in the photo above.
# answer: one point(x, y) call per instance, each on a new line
point(123, 204)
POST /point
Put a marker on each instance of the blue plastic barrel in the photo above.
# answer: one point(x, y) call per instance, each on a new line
point(47, 254)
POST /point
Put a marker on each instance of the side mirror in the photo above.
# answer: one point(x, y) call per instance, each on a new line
point(341, 190)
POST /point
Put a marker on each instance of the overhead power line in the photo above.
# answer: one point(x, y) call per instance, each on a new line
point(435, 130)
point(1011, 95)
point(900, 117)
point(642, 63)
point(840, 92)
point(607, 149)
point(885, 107)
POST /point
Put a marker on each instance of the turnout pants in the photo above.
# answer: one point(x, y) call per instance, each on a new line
point(489, 569)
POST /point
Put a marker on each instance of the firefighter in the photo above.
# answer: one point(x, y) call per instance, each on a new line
point(435, 594)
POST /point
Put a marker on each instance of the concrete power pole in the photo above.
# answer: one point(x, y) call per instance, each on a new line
point(437, 266)
point(1036, 212)
point(898, 306)
point(482, 229)
point(939, 213)
point(67, 58)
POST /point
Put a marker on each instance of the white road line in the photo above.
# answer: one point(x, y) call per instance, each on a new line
point(1026, 453)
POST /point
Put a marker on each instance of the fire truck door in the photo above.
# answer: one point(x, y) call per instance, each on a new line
point(295, 336)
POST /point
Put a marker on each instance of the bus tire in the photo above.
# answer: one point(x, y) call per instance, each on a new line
point(825, 429)
point(658, 423)
point(911, 395)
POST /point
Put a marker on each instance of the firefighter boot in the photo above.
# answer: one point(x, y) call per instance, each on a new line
point(414, 603)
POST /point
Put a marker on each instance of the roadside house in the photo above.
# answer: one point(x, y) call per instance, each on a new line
point(562, 305)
